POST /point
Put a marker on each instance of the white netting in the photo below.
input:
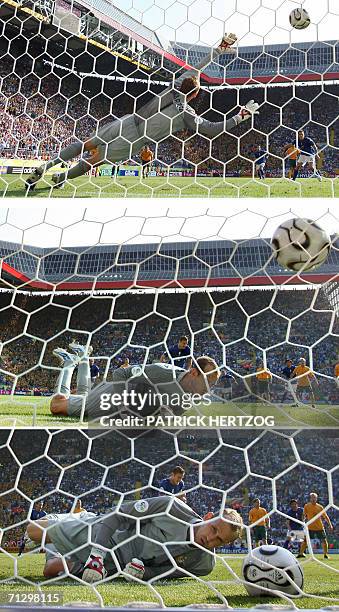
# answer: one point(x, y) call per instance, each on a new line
point(140, 284)
point(70, 69)
point(222, 469)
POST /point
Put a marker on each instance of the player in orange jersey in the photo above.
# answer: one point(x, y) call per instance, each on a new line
point(305, 378)
point(146, 156)
point(316, 527)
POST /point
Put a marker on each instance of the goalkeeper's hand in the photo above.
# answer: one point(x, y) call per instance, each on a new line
point(227, 42)
point(134, 569)
point(94, 569)
point(251, 108)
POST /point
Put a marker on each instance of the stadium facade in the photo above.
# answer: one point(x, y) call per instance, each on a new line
point(177, 264)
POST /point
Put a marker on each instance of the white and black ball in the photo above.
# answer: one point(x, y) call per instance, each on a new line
point(300, 244)
point(299, 19)
point(273, 568)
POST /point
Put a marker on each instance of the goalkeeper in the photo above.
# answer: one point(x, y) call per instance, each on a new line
point(166, 114)
point(140, 540)
point(157, 387)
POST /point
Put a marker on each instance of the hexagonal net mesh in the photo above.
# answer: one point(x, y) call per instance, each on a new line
point(159, 293)
point(104, 491)
point(86, 86)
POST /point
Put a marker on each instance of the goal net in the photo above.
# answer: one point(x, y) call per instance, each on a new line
point(73, 479)
point(83, 83)
point(160, 293)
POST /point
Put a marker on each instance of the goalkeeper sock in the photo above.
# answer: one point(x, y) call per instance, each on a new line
point(295, 174)
point(64, 380)
point(83, 377)
point(97, 552)
point(68, 153)
point(79, 170)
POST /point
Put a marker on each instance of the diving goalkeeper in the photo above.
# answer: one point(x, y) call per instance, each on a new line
point(166, 114)
point(139, 540)
point(154, 389)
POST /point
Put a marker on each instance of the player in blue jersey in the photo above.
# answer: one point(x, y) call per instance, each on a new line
point(295, 529)
point(261, 157)
point(288, 370)
point(94, 372)
point(308, 155)
point(180, 354)
point(37, 512)
point(287, 373)
point(174, 484)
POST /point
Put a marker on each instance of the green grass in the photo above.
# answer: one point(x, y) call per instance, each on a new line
point(89, 187)
point(320, 580)
point(27, 411)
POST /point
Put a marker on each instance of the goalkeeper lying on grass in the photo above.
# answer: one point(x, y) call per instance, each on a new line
point(167, 113)
point(139, 540)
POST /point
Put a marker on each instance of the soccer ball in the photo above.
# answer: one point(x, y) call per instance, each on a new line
point(299, 19)
point(300, 244)
point(274, 568)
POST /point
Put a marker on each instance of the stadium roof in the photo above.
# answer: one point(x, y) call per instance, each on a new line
point(125, 22)
point(169, 265)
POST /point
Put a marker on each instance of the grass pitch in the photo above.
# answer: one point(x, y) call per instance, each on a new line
point(162, 187)
point(28, 411)
point(320, 585)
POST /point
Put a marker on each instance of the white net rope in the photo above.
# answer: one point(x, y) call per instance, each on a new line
point(182, 277)
point(50, 471)
point(87, 74)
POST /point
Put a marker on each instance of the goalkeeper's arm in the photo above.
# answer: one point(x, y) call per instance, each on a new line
point(211, 129)
point(225, 46)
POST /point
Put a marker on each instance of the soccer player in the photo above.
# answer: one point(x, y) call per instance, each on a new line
point(174, 484)
point(291, 152)
point(140, 540)
point(146, 156)
point(94, 372)
point(143, 391)
point(316, 528)
point(21, 545)
point(180, 354)
point(287, 372)
point(264, 378)
point(336, 373)
point(304, 377)
point(294, 530)
point(308, 155)
point(166, 114)
point(259, 515)
point(37, 512)
point(261, 157)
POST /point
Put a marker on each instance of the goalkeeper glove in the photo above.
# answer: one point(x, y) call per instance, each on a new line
point(134, 569)
point(251, 108)
point(94, 569)
point(227, 42)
